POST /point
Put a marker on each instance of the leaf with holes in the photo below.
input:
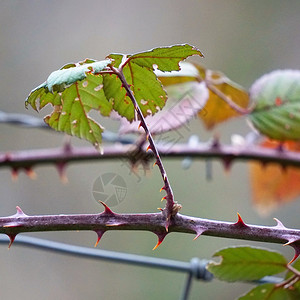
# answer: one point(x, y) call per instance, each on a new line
point(73, 91)
point(277, 105)
point(145, 86)
point(138, 70)
point(185, 100)
point(165, 59)
point(247, 263)
point(270, 291)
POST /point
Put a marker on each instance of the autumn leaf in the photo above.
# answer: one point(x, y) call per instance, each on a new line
point(271, 184)
point(222, 91)
point(221, 87)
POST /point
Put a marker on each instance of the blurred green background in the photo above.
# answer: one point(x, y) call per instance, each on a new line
point(244, 39)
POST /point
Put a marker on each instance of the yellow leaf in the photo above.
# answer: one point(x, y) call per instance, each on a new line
point(217, 110)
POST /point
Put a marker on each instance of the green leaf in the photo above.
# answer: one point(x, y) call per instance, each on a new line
point(247, 263)
point(145, 86)
point(138, 70)
point(72, 101)
point(165, 58)
point(185, 100)
point(269, 291)
point(277, 105)
point(60, 79)
point(75, 89)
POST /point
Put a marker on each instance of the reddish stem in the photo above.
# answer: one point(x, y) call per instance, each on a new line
point(169, 209)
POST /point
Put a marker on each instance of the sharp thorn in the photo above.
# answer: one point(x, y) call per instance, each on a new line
point(30, 173)
point(199, 232)
point(240, 222)
point(61, 168)
point(279, 224)
point(163, 188)
point(14, 174)
point(99, 234)
point(161, 237)
point(19, 212)
point(107, 210)
point(296, 245)
point(11, 238)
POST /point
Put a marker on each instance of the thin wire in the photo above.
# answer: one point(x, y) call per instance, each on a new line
point(196, 267)
point(118, 257)
point(28, 121)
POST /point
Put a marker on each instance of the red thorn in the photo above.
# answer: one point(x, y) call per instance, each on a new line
point(161, 237)
point(99, 234)
point(163, 188)
point(154, 164)
point(12, 238)
point(199, 231)
point(159, 208)
point(30, 173)
point(61, 169)
point(107, 210)
point(14, 174)
point(240, 222)
point(163, 198)
point(294, 258)
point(296, 245)
point(148, 148)
point(227, 162)
point(140, 125)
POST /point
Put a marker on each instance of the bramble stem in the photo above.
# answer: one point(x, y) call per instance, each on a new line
point(169, 208)
point(31, 158)
point(154, 222)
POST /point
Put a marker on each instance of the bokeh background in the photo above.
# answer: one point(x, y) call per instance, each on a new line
point(244, 39)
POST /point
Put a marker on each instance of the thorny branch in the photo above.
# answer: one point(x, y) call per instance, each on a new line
point(171, 207)
point(153, 222)
point(27, 159)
